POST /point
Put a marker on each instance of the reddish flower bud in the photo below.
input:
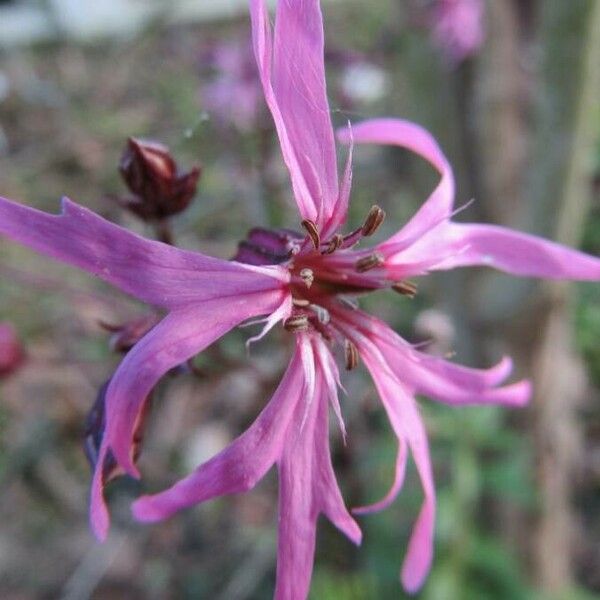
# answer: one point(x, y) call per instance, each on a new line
point(11, 351)
point(151, 173)
point(127, 335)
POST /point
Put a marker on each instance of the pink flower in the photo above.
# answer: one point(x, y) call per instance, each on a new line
point(305, 281)
point(457, 27)
point(233, 95)
point(11, 351)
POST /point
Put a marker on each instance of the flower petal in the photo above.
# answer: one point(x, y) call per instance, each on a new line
point(151, 271)
point(178, 337)
point(432, 376)
point(297, 513)
point(397, 132)
point(330, 497)
point(242, 464)
point(291, 66)
point(392, 494)
point(99, 517)
point(307, 488)
point(513, 252)
point(331, 377)
point(406, 421)
point(398, 371)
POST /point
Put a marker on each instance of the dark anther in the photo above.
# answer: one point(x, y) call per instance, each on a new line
point(296, 323)
point(369, 262)
point(351, 355)
point(307, 276)
point(322, 313)
point(373, 221)
point(334, 243)
point(313, 232)
point(406, 288)
point(301, 302)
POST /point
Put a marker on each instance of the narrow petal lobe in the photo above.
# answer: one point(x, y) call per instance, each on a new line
point(242, 464)
point(291, 67)
point(150, 271)
point(397, 132)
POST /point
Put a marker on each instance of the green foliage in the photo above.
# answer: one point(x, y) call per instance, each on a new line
point(332, 585)
point(588, 307)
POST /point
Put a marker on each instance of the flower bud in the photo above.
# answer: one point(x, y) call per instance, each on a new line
point(11, 351)
point(127, 335)
point(151, 174)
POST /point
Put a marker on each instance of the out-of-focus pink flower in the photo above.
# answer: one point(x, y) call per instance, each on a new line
point(233, 95)
point(304, 280)
point(11, 351)
point(457, 27)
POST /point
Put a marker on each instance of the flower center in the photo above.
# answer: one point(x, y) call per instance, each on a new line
point(324, 272)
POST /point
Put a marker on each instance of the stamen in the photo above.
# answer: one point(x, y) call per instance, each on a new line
point(369, 262)
point(373, 221)
point(313, 232)
point(351, 355)
point(348, 302)
point(296, 323)
point(406, 288)
point(323, 315)
point(301, 302)
point(307, 276)
point(334, 243)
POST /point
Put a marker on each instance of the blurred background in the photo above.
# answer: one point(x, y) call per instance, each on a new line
point(511, 90)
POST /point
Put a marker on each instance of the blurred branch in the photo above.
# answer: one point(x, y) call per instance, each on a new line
point(558, 372)
point(93, 566)
point(251, 572)
point(503, 123)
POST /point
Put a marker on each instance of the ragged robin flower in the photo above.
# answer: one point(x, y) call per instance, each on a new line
point(303, 280)
point(457, 27)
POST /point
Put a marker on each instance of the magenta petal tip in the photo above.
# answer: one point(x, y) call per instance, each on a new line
point(125, 461)
point(354, 533)
point(143, 510)
point(502, 370)
point(369, 509)
point(521, 393)
point(412, 581)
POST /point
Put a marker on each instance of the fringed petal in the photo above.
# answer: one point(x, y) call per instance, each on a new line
point(243, 463)
point(291, 67)
point(435, 377)
point(307, 488)
point(513, 252)
point(397, 132)
point(178, 337)
point(406, 421)
point(150, 271)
